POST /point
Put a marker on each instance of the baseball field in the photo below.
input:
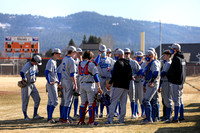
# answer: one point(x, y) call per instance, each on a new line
point(11, 117)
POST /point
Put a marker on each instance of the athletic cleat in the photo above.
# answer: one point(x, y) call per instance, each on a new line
point(37, 117)
point(96, 116)
point(138, 114)
point(146, 122)
point(115, 114)
point(67, 121)
point(61, 120)
point(121, 122)
point(101, 115)
point(76, 116)
point(174, 121)
point(93, 123)
point(52, 121)
point(168, 121)
point(71, 119)
point(163, 119)
point(118, 116)
point(81, 123)
point(155, 120)
point(181, 119)
point(143, 116)
point(108, 122)
point(133, 117)
point(27, 119)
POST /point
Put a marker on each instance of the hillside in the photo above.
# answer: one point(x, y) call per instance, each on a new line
point(58, 31)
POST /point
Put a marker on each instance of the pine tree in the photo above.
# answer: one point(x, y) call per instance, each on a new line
point(48, 53)
point(71, 43)
point(84, 41)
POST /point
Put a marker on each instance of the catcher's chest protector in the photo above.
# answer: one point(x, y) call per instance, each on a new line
point(83, 70)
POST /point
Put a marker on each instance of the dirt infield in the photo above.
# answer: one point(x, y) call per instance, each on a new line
point(11, 119)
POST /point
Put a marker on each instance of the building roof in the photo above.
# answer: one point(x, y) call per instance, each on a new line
point(190, 50)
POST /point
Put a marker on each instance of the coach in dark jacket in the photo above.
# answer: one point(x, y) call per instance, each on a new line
point(122, 74)
point(176, 76)
point(121, 77)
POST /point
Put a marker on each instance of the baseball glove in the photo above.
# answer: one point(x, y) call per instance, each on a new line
point(60, 87)
point(75, 93)
point(22, 83)
point(60, 93)
point(98, 97)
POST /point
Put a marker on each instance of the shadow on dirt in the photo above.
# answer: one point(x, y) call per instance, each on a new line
point(34, 124)
point(193, 107)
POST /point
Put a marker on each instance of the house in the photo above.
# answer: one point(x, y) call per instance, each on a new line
point(191, 52)
point(92, 47)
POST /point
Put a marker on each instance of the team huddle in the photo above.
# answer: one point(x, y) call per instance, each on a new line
point(108, 82)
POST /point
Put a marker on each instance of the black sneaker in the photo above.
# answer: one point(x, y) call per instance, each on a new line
point(181, 119)
point(175, 121)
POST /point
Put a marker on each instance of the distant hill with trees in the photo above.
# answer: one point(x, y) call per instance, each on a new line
point(58, 31)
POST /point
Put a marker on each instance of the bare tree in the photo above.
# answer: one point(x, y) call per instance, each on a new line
point(108, 41)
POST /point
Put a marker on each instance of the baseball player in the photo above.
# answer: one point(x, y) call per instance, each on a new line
point(62, 102)
point(52, 83)
point(78, 58)
point(28, 74)
point(164, 86)
point(121, 77)
point(176, 76)
point(139, 94)
point(155, 99)
point(116, 114)
point(68, 82)
point(104, 68)
point(88, 76)
point(151, 84)
point(135, 68)
point(109, 52)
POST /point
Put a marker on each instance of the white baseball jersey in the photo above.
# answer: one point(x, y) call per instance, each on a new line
point(105, 66)
point(30, 71)
point(51, 66)
point(165, 68)
point(134, 66)
point(91, 69)
point(77, 63)
point(68, 67)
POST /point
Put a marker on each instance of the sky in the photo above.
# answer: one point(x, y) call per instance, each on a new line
point(180, 12)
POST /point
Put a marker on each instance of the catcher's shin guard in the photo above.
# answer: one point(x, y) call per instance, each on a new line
point(82, 116)
point(82, 113)
point(92, 115)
